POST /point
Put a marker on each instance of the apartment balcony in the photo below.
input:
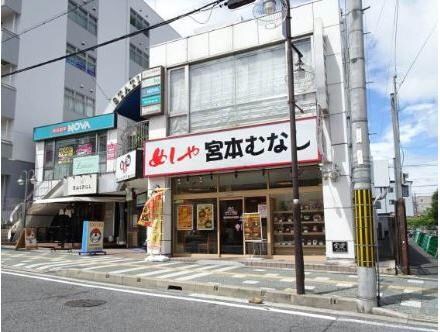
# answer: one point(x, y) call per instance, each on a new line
point(8, 101)
point(10, 46)
point(11, 7)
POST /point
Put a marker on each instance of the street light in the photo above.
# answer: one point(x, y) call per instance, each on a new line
point(29, 177)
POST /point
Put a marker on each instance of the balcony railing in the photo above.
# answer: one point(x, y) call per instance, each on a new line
point(133, 137)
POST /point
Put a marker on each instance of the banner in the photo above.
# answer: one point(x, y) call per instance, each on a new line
point(205, 217)
point(30, 238)
point(82, 184)
point(85, 165)
point(65, 154)
point(153, 210)
point(184, 217)
point(252, 227)
point(126, 166)
point(93, 236)
point(256, 146)
point(155, 234)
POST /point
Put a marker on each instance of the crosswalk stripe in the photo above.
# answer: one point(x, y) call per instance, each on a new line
point(153, 272)
point(115, 263)
point(19, 264)
point(344, 284)
point(227, 268)
point(37, 264)
point(206, 268)
point(83, 264)
point(74, 263)
point(128, 270)
point(321, 278)
point(194, 276)
point(174, 274)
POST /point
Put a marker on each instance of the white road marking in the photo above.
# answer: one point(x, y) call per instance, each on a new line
point(194, 276)
point(220, 303)
point(151, 273)
point(307, 273)
point(309, 287)
point(321, 278)
point(239, 276)
point(407, 290)
point(128, 270)
point(414, 281)
point(271, 275)
point(226, 268)
point(19, 264)
point(174, 274)
point(259, 270)
point(250, 282)
point(288, 280)
point(115, 263)
point(344, 284)
point(206, 268)
point(352, 276)
point(412, 303)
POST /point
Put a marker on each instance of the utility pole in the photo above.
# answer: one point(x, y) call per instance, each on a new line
point(402, 254)
point(361, 171)
point(299, 259)
point(396, 135)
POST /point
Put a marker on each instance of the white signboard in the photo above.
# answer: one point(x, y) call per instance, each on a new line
point(82, 184)
point(126, 166)
point(248, 147)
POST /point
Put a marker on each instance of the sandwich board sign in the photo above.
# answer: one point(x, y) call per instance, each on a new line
point(92, 238)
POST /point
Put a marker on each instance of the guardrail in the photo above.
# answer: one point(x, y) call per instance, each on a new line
point(428, 242)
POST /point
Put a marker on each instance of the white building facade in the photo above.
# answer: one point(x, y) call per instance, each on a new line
point(218, 139)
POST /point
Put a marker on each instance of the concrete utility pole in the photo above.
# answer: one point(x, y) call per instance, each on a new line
point(363, 208)
point(396, 135)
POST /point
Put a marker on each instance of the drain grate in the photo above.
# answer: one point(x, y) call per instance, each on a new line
point(85, 303)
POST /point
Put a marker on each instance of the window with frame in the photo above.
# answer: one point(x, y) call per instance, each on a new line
point(138, 56)
point(82, 61)
point(78, 103)
point(82, 17)
point(137, 21)
point(240, 89)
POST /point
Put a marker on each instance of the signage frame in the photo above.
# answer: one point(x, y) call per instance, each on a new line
point(92, 158)
point(84, 125)
point(153, 77)
point(337, 248)
point(77, 180)
point(203, 170)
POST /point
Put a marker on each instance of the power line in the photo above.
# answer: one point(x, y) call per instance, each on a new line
point(417, 55)
point(396, 20)
point(111, 41)
point(48, 20)
point(379, 17)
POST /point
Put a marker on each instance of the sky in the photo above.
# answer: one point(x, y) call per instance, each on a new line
point(416, 24)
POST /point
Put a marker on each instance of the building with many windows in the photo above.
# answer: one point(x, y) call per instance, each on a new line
point(210, 119)
point(66, 90)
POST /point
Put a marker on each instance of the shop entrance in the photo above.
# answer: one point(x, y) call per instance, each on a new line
point(231, 226)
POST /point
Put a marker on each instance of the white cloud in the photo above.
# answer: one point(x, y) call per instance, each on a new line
point(416, 20)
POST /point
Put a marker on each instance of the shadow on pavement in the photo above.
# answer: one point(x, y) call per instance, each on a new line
point(421, 263)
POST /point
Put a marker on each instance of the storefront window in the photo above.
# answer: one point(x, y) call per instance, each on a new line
point(49, 155)
point(243, 180)
point(195, 184)
point(196, 226)
point(282, 177)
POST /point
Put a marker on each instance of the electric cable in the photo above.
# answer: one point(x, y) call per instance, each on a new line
point(396, 21)
point(417, 55)
point(111, 41)
point(48, 20)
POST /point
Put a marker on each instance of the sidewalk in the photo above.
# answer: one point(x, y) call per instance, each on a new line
point(409, 297)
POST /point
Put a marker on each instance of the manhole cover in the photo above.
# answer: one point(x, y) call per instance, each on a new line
point(84, 303)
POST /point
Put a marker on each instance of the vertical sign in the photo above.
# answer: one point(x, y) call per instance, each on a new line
point(152, 94)
point(93, 236)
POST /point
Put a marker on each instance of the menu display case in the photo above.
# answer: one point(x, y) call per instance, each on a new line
point(312, 223)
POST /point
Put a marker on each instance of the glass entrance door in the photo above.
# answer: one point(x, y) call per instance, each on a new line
point(231, 228)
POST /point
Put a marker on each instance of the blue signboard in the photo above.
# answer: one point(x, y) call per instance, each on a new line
point(92, 237)
point(85, 125)
point(151, 91)
point(145, 101)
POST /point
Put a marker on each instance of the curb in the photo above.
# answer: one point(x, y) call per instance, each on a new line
point(316, 301)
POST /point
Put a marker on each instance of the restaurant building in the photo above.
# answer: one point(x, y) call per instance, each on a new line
point(215, 105)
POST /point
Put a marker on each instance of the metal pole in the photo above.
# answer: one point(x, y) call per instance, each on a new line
point(299, 259)
point(26, 180)
point(396, 136)
point(361, 171)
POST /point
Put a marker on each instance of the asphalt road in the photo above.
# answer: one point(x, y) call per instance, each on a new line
point(37, 303)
